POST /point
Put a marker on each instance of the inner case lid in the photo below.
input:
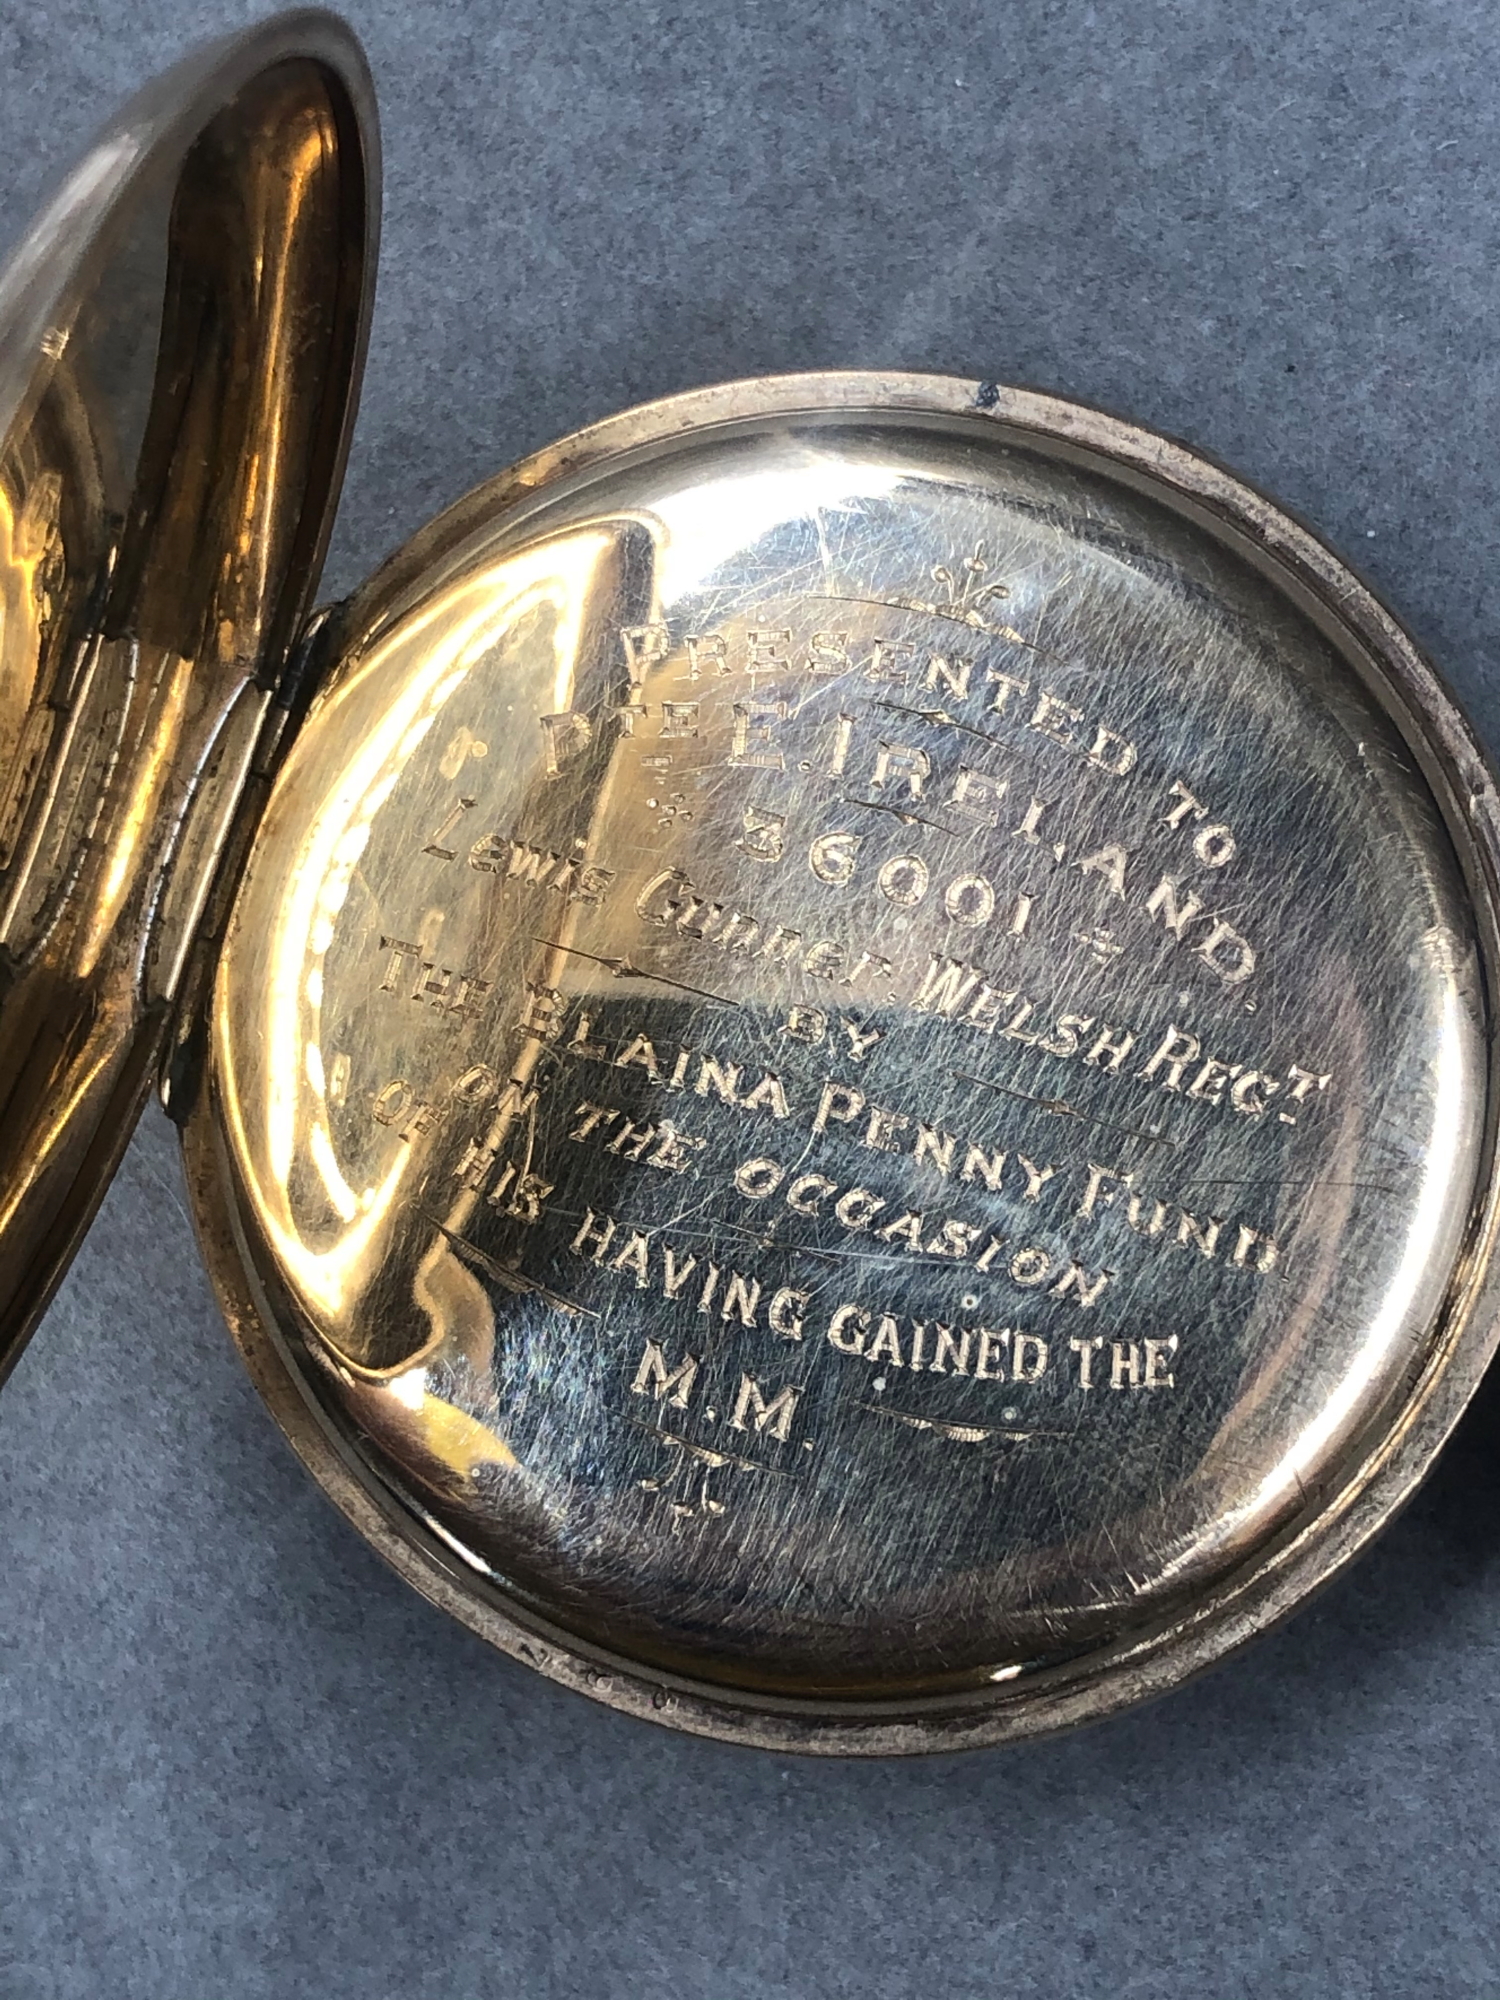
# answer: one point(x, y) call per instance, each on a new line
point(181, 342)
point(854, 1068)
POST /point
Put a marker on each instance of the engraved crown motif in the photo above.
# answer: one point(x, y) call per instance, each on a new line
point(963, 594)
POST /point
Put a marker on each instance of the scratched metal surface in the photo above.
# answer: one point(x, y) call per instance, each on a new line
point(237, 1757)
point(857, 1055)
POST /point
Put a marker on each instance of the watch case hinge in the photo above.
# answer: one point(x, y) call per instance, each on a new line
point(186, 1049)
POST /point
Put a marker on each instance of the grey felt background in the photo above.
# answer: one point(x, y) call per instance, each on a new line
point(236, 1757)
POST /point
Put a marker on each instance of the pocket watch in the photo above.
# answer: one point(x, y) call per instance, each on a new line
point(834, 1046)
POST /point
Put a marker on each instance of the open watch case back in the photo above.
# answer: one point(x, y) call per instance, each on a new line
point(835, 1045)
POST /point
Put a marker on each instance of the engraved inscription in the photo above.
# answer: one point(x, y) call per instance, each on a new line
point(874, 1037)
point(984, 1161)
point(1175, 1058)
point(447, 990)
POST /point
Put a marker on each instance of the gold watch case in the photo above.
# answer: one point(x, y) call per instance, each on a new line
point(834, 1046)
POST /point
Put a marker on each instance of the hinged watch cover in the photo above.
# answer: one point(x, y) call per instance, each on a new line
point(181, 338)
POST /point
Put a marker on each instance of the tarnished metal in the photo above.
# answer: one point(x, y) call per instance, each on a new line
point(848, 1097)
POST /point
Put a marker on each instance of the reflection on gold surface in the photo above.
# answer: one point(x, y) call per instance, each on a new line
point(341, 788)
point(134, 834)
point(31, 552)
point(164, 476)
point(446, 1444)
